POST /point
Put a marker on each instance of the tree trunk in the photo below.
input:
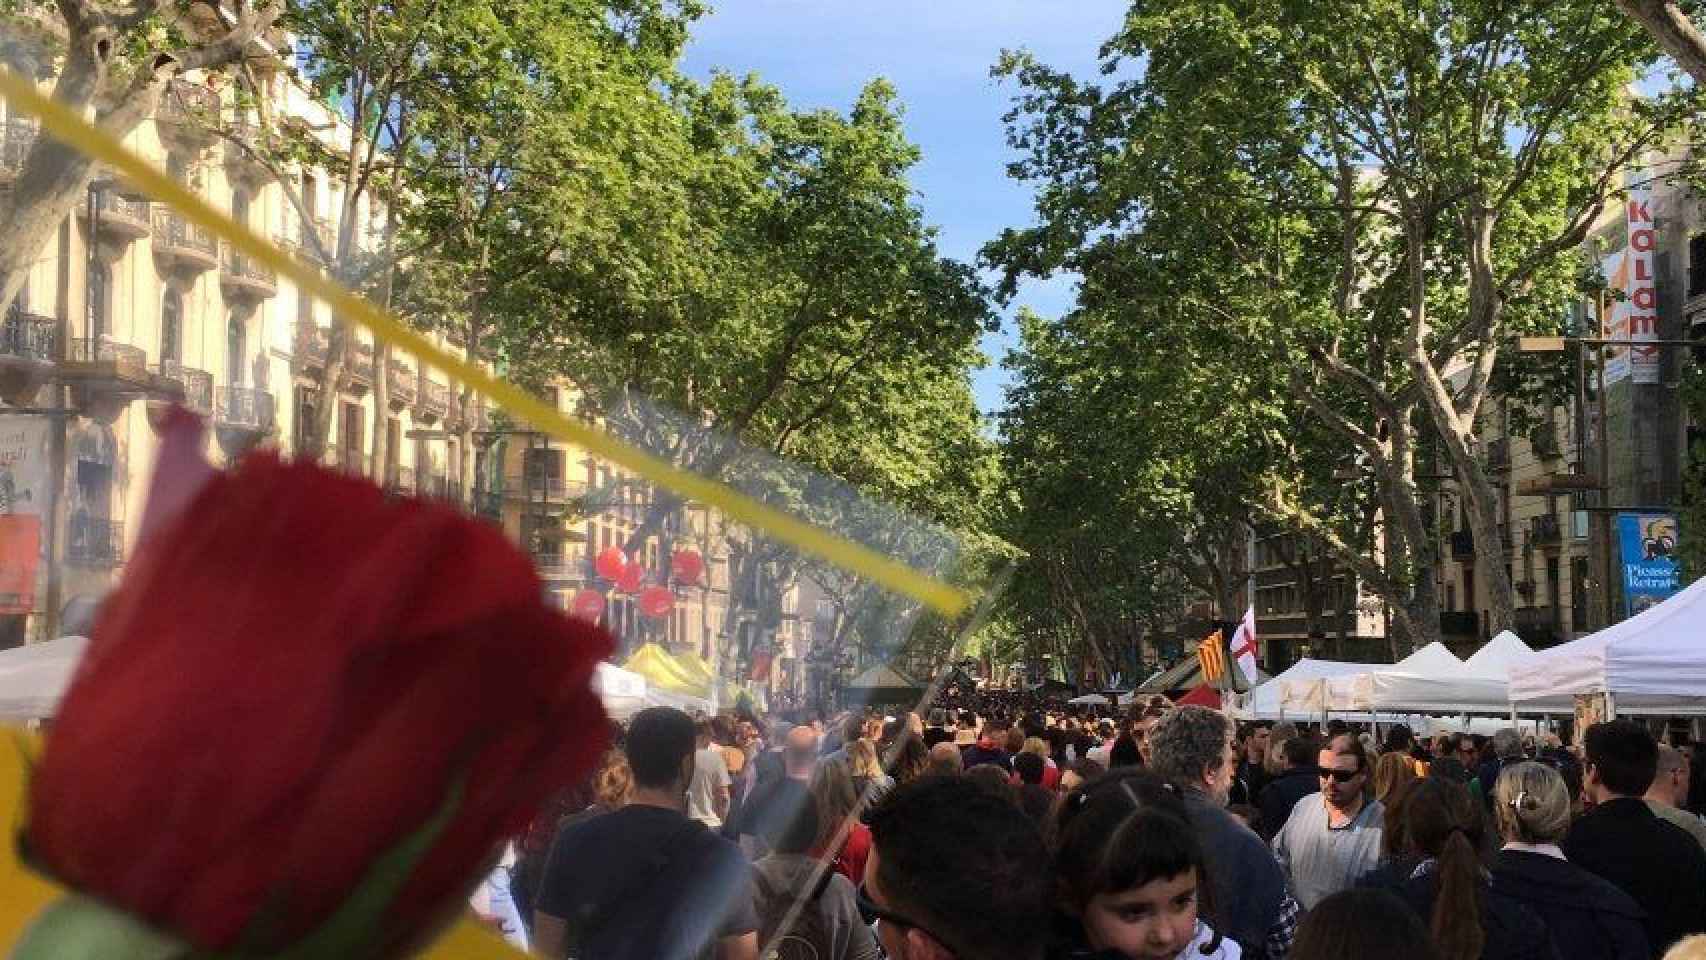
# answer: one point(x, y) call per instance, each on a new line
point(1454, 418)
point(1669, 25)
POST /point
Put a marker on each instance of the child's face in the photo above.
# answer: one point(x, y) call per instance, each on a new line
point(1152, 922)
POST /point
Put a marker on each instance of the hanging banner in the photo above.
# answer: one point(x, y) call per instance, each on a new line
point(1643, 290)
point(1632, 312)
point(1650, 573)
point(23, 499)
point(23, 465)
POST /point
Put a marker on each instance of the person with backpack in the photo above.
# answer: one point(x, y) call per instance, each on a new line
point(806, 911)
point(646, 880)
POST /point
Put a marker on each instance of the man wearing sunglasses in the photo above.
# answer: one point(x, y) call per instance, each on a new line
point(956, 874)
point(1332, 840)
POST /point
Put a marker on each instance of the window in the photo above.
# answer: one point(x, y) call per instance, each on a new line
point(171, 327)
point(240, 206)
point(235, 349)
point(100, 300)
point(1697, 264)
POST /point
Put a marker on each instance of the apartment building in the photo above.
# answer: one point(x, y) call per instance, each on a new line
point(131, 307)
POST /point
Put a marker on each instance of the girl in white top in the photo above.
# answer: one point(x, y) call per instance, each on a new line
point(1132, 875)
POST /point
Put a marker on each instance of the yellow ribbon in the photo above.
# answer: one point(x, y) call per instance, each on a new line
point(66, 126)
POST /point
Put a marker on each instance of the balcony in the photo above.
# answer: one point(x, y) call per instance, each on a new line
point(244, 409)
point(311, 344)
point(16, 139)
point(1540, 626)
point(360, 365)
point(117, 217)
point(434, 397)
point(94, 542)
point(561, 568)
point(107, 375)
point(28, 337)
point(28, 343)
point(188, 112)
point(243, 278)
point(1463, 545)
point(183, 245)
point(1459, 623)
point(402, 384)
point(197, 385)
point(543, 489)
point(1545, 531)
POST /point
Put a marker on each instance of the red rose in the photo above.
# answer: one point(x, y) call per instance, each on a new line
point(295, 675)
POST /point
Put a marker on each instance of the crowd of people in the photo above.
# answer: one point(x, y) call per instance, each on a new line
point(1025, 830)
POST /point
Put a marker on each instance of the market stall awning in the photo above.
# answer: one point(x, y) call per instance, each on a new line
point(1653, 662)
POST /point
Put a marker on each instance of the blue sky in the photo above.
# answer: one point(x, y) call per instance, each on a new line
point(937, 53)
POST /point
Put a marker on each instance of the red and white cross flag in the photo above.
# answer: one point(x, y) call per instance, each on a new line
point(1244, 646)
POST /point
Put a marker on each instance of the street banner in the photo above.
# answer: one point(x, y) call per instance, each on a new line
point(23, 466)
point(1632, 315)
point(24, 497)
point(1244, 648)
point(20, 550)
point(1647, 542)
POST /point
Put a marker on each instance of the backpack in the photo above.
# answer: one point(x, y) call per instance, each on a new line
point(807, 939)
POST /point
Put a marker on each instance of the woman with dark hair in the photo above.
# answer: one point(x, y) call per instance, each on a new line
point(1131, 874)
point(910, 760)
point(1361, 924)
point(1444, 828)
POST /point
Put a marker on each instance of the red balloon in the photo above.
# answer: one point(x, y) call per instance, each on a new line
point(630, 578)
point(656, 602)
point(611, 563)
point(688, 566)
point(588, 605)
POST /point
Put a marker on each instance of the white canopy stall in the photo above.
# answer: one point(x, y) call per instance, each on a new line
point(1370, 690)
point(1303, 688)
point(34, 677)
point(1651, 663)
point(1435, 681)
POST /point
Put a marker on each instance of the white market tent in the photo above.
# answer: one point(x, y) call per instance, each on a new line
point(1303, 688)
point(34, 677)
point(1360, 692)
point(1090, 700)
point(1434, 681)
point(1652, 663)
point(622, 691)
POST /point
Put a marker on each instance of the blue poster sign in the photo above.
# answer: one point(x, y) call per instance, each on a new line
point(1650, 573)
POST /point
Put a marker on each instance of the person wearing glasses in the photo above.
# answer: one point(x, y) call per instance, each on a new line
point(1329, 842)
point(956, 873)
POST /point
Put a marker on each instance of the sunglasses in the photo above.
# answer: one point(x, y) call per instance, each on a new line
point(1341, 776)
point(872, 913)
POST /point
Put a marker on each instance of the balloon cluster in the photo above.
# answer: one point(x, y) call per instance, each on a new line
point(629, 576)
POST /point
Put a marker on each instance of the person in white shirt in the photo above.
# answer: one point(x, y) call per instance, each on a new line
point(708, 791)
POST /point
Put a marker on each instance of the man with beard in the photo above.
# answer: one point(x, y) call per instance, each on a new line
point(1333, 839)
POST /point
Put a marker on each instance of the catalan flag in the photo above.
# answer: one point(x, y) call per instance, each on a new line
point(1211, 653)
